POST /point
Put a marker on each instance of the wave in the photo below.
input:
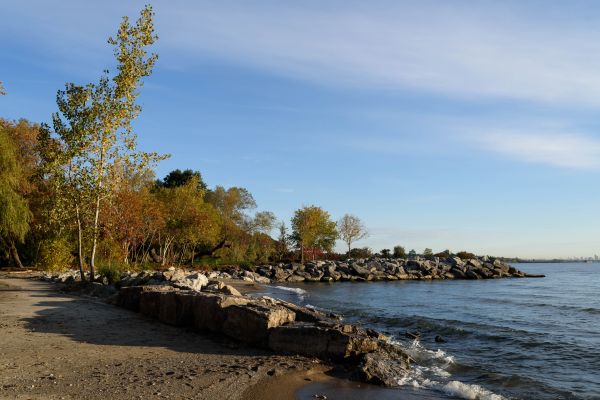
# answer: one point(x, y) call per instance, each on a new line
point(431, 371)
point(469, 392)
point(298, 291)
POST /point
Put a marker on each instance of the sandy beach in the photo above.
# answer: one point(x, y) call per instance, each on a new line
point(58, 346)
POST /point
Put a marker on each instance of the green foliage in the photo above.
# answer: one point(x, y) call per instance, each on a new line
point(363, 252)
point(386, 253)
point(14, 210)
point(112, 272)
point(427, 252)
point(55, 255)
point(399, 252)
point(178, 178)
point(312, 228)
point(95, 135)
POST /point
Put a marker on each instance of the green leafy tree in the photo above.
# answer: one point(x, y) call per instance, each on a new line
point(190, 222)
point(351, 229)
point(399, 252)
point(427, 252)
point(14, 211)
point(94, 130)
point(386, 253)
point(313, 228)
point(283, 241)
point(179, 178)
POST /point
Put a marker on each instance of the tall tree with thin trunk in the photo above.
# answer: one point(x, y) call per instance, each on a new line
point(351, 229)
point(94, 129)
point(14, 211)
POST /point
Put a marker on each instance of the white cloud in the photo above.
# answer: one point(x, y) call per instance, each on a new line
point(491, 51)
point(514, 50)
point(561, 150)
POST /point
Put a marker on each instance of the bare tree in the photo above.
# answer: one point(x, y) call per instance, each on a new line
point(351, 229)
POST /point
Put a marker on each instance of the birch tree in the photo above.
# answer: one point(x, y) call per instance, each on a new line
point(351, 229)
point(97, 142)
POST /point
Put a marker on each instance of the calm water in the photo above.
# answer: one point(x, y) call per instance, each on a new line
point(508, 338)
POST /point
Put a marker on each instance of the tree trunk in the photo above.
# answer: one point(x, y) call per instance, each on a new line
point(301, 254)
point(349, 248)
point(94, 239)
point(14, 253)
point(80, 244)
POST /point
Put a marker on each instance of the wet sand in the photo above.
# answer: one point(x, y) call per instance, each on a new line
point(57, 346)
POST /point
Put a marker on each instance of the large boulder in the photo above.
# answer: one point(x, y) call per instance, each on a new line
point(176, 308)
point(319, 341)
point(209, 310)
point(194, 281)
point(382, 367)
point(130, 297)
point(251, 323)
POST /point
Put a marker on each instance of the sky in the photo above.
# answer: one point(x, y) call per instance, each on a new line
point(463, 125)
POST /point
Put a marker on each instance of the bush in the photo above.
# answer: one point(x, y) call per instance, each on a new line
point(55, 255)
point(465, 255)
point(111, 272)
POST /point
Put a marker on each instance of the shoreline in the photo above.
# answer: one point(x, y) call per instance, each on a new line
point(55, 345)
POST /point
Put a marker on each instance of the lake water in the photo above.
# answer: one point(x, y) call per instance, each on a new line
point(506, 338)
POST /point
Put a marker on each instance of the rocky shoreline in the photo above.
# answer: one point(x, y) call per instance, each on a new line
point(203, 301)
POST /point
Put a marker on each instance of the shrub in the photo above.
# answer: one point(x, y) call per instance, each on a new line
point(55, 255)
point(111, 272)
point(465, 255)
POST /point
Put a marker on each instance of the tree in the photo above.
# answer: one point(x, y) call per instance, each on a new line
point(364, 252)
point(94, 129)
point(14, 211)
point(428, 252)
point(263, 222)
point(179, 178)
point(190, 222)
point(2, 90)
point(399, 252)
point(23, 136)
point(386, 253)
point(231, 203)
point(312, 228)
point(283, 241)
point(412, 253)
point(351, 229)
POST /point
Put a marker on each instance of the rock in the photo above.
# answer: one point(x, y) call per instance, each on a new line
point(439, 339)
point(129, 297)
point(209, 310)
point(176, 308)
point(230, 290)
point(251, 323)
point(382, 368)
point(192, 282)
point(304, 314)
point(316, 341)
point(150, 299)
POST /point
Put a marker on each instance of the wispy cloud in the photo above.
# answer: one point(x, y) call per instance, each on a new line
point(502, 50)
point(562, 150)
point(515, 50)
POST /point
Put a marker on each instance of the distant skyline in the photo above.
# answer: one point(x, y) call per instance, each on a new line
point(448, 125)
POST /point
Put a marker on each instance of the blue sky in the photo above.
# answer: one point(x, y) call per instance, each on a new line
point(461, 125)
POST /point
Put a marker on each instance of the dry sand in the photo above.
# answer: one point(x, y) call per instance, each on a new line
point(58, 346)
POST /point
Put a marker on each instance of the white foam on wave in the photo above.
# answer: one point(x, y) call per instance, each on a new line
point(291, 289)
point(430, 372)
point(469, 392)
